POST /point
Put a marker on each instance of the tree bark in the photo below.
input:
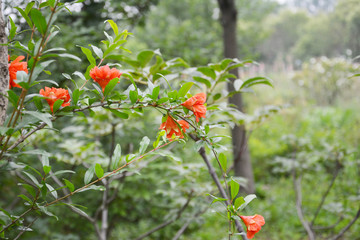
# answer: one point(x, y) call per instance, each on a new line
point(4, 69)
point(242, 160)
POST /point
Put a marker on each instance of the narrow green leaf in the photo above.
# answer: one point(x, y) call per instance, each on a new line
point(89, 174)
point(223, 161)
point(144, 57)
point(111, 85)
point(44, 210)
point(234, 187)
point(99, 171)
point(247, 200)
point(26, 198)
point(45, 117)
point(155, 93)
point(30, 189)
point(185, 88)
point(12, 29)
point(57, 105)
point(25, 16)
point(207, 71)
point(13, 97)
point(39, 20)
point(69, 185)
point(52, 190)
point(113, 26)
point(133, 96)
point(255, 81)
point(144, 144)
point(116, 157)
point(97, 51)
point(119, 114)
point(88, 55)
point(238, 202)
point(202, 80)
point(32, 178)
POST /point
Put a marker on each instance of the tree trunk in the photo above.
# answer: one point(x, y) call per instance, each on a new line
point(242, 161)
point(4, 69)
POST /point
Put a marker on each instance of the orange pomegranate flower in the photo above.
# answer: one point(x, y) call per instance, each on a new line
point(172, 128)
point(196, 104)
point(54, 94)
point(104, 75)
point(253, 224)
point(14, 67)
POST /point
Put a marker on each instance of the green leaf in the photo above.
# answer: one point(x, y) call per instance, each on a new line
point(223, 161)
point(29, 7)
point(46, 169)
point(247, 200)
point(57, 105)
point(52, 190)
point(60, 172)
point(255, 81)
point(131, 79)
point(207, 72)
point(216, 199)
point(155, 93)
point(51, 3)
point(119, 114)
point(45, 117)
point(89, 55)
point(97, 51)
point(69, 185)
point(185, 88)
point(26, 198)
point(238, 202)
point(44, 210)
point(234, 187)
point(89, 174)
point(113, 26)
point(75, 96)
point(12, 29)
point(133, 96)
point(39, 20)
point(202, 80)
point(25, 16)
point(13, 97)
point(99, 171)
point(32, 178)
point(116, 157)
point(144, 57)
point(111, 85)
point(30, 189)
point(38, 103)
point(144, 144)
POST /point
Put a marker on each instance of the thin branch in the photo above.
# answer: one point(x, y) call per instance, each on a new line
point(328, 227)
point(168, 222)
point(185, 226)
point(24, 230)
point(218, 184)
point(347, 227)
point(335, 174)
point(298, 195)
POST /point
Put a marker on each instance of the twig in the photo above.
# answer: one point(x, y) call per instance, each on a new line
point(185, 226)
point(335, 174)
point(168, 222)
point(328, 227)
point(24, 230)
point(347, 227)
point(298, 195)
